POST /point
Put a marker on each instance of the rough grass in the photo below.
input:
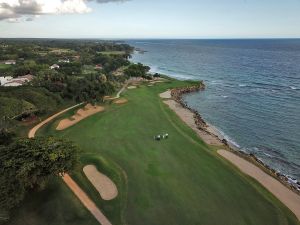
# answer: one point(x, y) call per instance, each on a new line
point(4, 66)
point(176, 181)
point(54, 206)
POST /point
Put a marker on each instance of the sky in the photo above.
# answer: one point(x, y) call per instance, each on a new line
point(150, 19)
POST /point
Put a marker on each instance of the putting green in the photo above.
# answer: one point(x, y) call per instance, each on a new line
point(179, 180)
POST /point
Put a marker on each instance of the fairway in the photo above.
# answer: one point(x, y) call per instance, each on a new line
point(179, 180)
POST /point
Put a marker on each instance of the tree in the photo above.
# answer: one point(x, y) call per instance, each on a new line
point(6, 136)
point(29, 163)
point(137, 70)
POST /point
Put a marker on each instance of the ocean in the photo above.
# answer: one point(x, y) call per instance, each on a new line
point(252, 91)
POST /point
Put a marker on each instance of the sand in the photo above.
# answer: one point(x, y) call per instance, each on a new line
point(155, 82)
point(81, 114)
point(166, 94)
point(32, 132)
point(131, 87)
point(188, 117)
point(85, 200)
point(105, 186)
point(121, 101)
point(285, 195)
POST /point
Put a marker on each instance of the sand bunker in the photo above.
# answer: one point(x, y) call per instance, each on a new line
point(105, 186)
point(156, 82)
point(81, 114)
point(188, 117)
point(131, 87)
point(288, 197)
point(121, 101)
point(107, 97)
point(166, 94)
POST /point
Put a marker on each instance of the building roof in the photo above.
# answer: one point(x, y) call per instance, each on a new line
point(54, 66)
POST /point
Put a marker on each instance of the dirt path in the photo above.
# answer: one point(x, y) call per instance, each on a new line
point(119, 92)
point(32, 132)
point(80, 194)
point(122, 89)
point(285, 195)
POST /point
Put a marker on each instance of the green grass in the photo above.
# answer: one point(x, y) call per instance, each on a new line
point(54, 206)
point(112, 52)
point(4, 66)
point(176, 181)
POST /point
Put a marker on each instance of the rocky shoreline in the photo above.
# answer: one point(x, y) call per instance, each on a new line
point(177, 95)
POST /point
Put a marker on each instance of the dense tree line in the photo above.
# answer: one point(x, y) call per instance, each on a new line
point(137, 70)
point(26, 100)
point(28, 164)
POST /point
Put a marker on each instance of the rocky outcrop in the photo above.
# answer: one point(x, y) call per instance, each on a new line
point(177, 95)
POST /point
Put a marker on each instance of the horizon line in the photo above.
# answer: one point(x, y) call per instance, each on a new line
point(156, 38)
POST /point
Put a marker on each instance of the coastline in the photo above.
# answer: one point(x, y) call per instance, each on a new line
point(278, 184)
point(177, 95)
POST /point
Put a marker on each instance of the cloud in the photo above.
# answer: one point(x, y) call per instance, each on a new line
point(108, 1)
point(26, 10)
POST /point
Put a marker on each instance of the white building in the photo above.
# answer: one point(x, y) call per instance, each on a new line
point(54, 66)
point(10, 62)
point(4, 80)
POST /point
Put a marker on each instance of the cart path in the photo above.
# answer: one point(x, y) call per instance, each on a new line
point(33, 131)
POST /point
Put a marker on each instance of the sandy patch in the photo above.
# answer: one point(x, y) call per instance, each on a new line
point(285, 195)
point(107, 97)
point(155, 82)
point(121, 101)
point(166, 94)
point(105, 186)
point(188, 117)
point(85, 200)
point(131, 87)
point(32, 132)
point(81, 114)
